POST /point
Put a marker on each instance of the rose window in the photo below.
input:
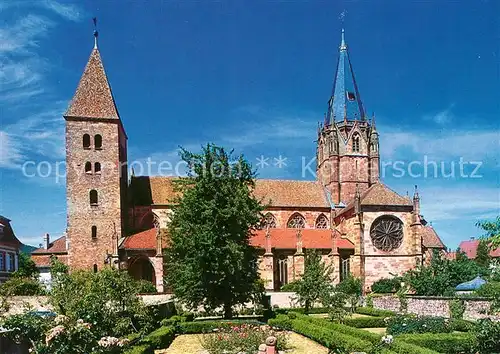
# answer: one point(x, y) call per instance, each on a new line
point(387, 233)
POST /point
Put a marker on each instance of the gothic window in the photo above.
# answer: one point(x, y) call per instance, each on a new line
point(94, 232)
point(97, 167)
point(156, 222)
point(86, 141)
point(93, 197)
point(345, 268)
point(355, 143)
point(322, 222)
point(282, 270)
point(269, 221)
point(296, 221)
point(98, 141)
point(88, 167)
point(387, 233)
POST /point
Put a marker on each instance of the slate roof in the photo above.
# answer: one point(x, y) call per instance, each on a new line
point(280, 238)
point(56, 246)
point(430, 238)
point(93, 97)
point(279, 193)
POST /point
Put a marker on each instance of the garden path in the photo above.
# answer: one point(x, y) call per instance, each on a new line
point(190, 344)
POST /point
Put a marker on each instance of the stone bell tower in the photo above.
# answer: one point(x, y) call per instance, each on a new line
point(96, 165)
point(348, 144)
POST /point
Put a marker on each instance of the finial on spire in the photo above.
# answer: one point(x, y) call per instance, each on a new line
point(343, 46)
point(416, 195)
point(96, 34)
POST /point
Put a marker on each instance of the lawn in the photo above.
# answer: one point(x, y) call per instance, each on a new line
point(190, 344)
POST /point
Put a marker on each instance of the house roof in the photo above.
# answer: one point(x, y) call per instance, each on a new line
point(430, 238)
point(93, 97)
point(470, 249)
point(280, 238)
point(279, 193)
point(7, 235)
point(44, 260)
point(56, 246)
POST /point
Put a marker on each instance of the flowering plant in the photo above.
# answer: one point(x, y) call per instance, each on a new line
point(417, 324)
point(236, 338)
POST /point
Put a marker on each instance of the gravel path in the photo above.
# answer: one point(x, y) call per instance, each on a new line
point(190, 344)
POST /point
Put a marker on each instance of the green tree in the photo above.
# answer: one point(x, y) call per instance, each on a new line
point(26, 267)
point(461, 255)
point(315, 282)
point(491, 231)
point(210, 261)
point(353, 288)
point(483, 257)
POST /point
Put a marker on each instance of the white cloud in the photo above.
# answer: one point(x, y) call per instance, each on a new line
point(67, 11)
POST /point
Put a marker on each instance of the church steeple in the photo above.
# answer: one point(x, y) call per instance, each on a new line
point(93, 97)
point(345, 102)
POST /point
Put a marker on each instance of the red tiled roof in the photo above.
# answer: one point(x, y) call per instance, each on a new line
point(430, 238)
point(279, 193)
point(280, 238)
point(470, 249)
point(93, 97)
point(142, 240)
point(56, 246)
point(287, 239)
point(43, 260)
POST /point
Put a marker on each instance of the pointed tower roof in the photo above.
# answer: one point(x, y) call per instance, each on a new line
point(93, 97)
point(345, 102)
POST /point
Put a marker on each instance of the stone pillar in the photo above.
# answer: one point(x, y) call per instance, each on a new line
point(334, 257)
point(417, 229)
point(157, 263)
point(298, 258)
point(267, 263)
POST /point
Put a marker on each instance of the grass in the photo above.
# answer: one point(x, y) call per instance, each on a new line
point(191, 344)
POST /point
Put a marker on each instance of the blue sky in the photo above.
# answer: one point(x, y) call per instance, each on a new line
point(257, 76)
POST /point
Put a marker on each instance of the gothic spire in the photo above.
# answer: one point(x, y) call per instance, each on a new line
point(345, 101)
point(93, 97)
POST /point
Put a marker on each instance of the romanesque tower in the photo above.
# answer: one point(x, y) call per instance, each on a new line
point(96, 182)
point(348, 147)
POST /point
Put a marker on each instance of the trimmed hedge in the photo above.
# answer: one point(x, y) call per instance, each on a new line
point(462, 325)
point(160, 338)
point(370, 311)
point(447, 343)
point(398, 346)
point(366, 322)
point(208, 326)
point(312, 311)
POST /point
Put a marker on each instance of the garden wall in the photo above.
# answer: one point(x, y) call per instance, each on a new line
point(475, 308)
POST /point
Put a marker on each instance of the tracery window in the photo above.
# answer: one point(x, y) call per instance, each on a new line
point(296, 221)
point(355, 143)
point(322, 222)
point(387, 233)
point(269, 221)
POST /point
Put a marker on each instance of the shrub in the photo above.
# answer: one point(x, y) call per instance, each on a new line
point(418, 324)
point(352, 287)
point(209, 326)
point(386, 285)
point(365, 322)
point(487, 333)
point(282, 321)
point(462, 325)
point(289, 287)
point(18, 286)
point(374, 312)
point(160, 338)
point(312, 310)
point(491, 290)
point(448, 343)
point(145, 287)
point(457, 309)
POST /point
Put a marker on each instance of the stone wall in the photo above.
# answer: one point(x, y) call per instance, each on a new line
point(475, 308)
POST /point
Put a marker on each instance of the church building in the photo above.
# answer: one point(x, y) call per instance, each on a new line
point(357, 223)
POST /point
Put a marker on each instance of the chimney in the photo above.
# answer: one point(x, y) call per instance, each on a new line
point(46, 241)
point(472, 238)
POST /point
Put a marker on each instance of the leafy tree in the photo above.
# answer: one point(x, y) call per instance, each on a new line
point(26, 267)
point(353, 288)
point(491, 231)
point(210, 261)
point(441, 276)
point(18, 286)
point(315, 282)
point(461, 255)
point(483, 257)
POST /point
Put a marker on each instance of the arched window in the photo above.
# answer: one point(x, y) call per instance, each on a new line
point(296, 221)
point(95, 268)
point(98, 141)
point(88, 167)
point(322, 222)
point(97, 167)
point(355, 143)
point(94, 232)
point(93, 197)
point(86, 141)
point(269, 221)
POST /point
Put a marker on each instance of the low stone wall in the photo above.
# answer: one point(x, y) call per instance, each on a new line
point(475, 308)
point(20, 304)
point(282, 299)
